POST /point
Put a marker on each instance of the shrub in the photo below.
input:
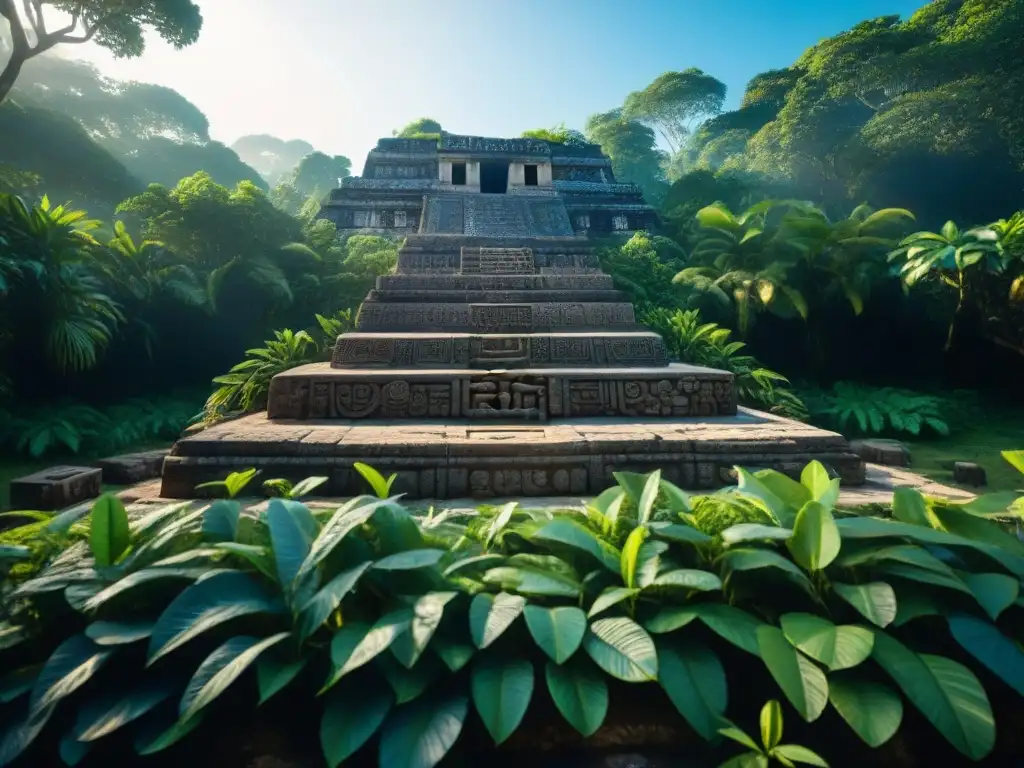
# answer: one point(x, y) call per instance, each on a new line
point(403, 623)
point(75, 428)
point(245, 387)
point(691, 341)
point(859, 409)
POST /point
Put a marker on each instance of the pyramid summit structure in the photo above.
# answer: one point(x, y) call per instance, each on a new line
point(498, 359)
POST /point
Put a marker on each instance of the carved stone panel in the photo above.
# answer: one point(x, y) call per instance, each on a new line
point(505, 396)
point(501, 318)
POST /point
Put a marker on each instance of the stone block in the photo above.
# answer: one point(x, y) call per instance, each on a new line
point(969, 473)
point(132, 467)
point(56, 488)
point(890, 453)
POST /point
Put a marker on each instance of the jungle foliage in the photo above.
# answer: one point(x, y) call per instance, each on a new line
point(138, 631)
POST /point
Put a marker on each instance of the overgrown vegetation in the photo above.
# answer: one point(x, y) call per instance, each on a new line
point(136, 633)
point(854, 409)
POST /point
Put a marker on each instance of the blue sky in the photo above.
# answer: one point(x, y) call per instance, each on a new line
point(341, 73)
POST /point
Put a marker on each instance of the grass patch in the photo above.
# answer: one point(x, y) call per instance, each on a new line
point(979, 441)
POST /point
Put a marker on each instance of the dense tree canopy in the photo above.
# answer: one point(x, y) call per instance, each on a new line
point(632, 149)
point(317, 174)
point(558, 134)
point(424, 127)
point(119, 27)
point(675, 102)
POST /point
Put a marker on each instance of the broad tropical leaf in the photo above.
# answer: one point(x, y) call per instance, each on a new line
point(800, 680)
point(945, 692)
point(558, 631)
point(623, 649)
point(327, 599)
point(835, 646)
point(580, 693)
point(490, 615)
point(502, 688)
point(873, 711)
point(875, 601)
point(351, 716)
point(987, 644)
point(109, 535)
point(221, 668)
point(694, 680)
point(815, 542)
point(209, 603)
point(419, 734)
point(69, 667)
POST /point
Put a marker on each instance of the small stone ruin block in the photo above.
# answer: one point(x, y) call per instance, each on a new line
point(969, 473)
point(132, 467)
point(889, 453)
point(56, 488)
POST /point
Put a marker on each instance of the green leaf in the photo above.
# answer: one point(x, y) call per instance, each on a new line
point(646, 504)
point(925, 576)
point(207, 604)
point(751, 486)
point(909, 506)
point(160, 733)
point(104, 716)
point(991, 647)
point(289, 540)
point(351, 650)
point(118, 633)
point(688, 579)
point(694, 680)
point(630, 552)
point(351, 716)
point(771, 724)
point(580, 693)
point(815, 542)
point(961, 523)
point(274, 673)
point(945, 692)
point(755, 559)
point(72, 751)
point(571, 534)
point(558, 631)
point(409, 560)
point(475, 561)
point(141, 577)
point(788, 490)
point(990, 504)
point(744, 532)
point(728, 622)
point(235, 482)
point(454, 655)
point(873, 711)
point(220, 669)
point(307, 486)
point(419, 735)
point(327, 599)
point(427, 614)
point(109, 535)
point(533, 581)
point(346, 519)
point(837, 647)
point(69, 667)
point(17, 738)
point(609, 597)
point(380, 486)
point(1015, 459)
point(408, 683)
point(220, 520)
point(875, 601)
point(623, 649)
point(502, 689)
point(490, 615)
point(797, 754)
point(995, 592)
point(803, 683)
point(684, 534)
point(735, 734)
point(500, 521)
point(259, 557)
point(823, 489)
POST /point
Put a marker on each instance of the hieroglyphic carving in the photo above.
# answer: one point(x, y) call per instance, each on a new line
point(433, 262)
point(348, 351)
point(646, 350)
point(683, 396)
point(540, 349)
point(356, 401)
point(402, 400)
point(505, 396)
point(498, 352)
point(444, 214)
point(497, 261)
point(498, 318)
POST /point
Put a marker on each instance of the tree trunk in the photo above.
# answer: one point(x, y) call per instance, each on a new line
point(10, 73)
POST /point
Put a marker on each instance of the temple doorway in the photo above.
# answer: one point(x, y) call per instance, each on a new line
point(493, 177)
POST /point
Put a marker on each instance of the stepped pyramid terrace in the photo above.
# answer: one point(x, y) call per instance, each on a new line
point(498, 359)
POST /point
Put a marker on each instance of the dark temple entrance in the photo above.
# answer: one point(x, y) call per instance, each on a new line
point(493, 177)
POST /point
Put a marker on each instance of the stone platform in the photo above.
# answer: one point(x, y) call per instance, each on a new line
point(506, 350)
point(320, 391)
point(446, 458)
